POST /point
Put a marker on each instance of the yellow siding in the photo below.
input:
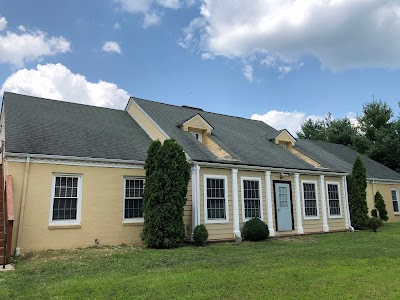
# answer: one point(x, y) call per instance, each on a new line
point(196, 123)
point(303, 156)
point(285, 138)
point(102, 208)
point(385, 190)
point(215, 148)
point(148, 126)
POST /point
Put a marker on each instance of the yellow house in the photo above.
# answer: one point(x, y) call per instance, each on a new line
point(77, 173)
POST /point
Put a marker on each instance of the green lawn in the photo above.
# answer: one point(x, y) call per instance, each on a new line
point(359, 265)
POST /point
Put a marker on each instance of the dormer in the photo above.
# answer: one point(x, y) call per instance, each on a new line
point(283, 138)
point(198, 127)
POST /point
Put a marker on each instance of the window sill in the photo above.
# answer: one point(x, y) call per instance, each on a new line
point(335, 217)
point(133, 222)
point(217, 221)
point(64, 226)
point(311, 218)
point(397, 213)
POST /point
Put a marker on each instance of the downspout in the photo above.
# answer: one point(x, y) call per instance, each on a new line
point(22, 208)
point(4, 206)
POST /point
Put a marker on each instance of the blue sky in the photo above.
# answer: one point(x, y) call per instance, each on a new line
point(281, 60)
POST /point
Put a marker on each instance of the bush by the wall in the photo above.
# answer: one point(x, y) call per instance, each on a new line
point(357, 184)
point(255, 230)
point(374, 213)
point(167, 177)
point(200, 235)
point(374, 223)
point(381, 207)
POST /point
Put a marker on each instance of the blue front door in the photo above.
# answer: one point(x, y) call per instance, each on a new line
point(283, 205)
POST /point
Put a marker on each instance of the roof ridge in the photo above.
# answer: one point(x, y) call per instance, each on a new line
point(61, 101)
point(203, 111)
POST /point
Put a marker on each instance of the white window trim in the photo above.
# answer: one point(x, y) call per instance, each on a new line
point(78, 204)
point(215, 221)
point(316, 198)
point(327, 200)
point(130, 220)
point(242, 179)
point(398, 200)
point(200, 139)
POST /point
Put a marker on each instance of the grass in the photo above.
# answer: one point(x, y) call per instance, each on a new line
point(359, 265)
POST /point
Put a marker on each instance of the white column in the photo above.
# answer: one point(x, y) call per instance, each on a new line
point(346, 204)
point(235, 199)
point(194, 198)
point(269, 203)
point(300, 229)
point(325, 226)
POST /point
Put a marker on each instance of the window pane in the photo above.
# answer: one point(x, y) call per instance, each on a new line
point(65, 198)
point(133, 198)
point(251, 199)
point(333, 199)
point(395, 201)
point(310, 200)
point(215, 198)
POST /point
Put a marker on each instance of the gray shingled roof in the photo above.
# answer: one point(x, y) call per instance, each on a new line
point(41, 126)
point(246, 140)
point(341, 158)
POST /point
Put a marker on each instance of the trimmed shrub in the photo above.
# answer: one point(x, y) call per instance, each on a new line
point(381, 207)
point(164, 194)
point(255, 230)
point(200, 235)
point(374, 213)
point(374, 223)
point(357, 184)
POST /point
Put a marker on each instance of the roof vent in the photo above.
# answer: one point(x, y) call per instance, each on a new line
point(191, 107)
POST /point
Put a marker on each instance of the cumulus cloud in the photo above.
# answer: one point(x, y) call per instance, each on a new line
point(111, 47)
point(150, 9)
point(285, 119)
point(3, 23)
point(55, 81)
point(116, 26)
point(248, 72)
point(341, 34)
point(18, 48)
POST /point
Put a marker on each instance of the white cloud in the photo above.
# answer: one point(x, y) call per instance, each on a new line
point(21, 28)
point(248, 72)
point(341, 34)
point(151, 19)
point(55, 81)
point(111, 47)
point(17, 49)
point(149, 9)
point(285, 119)
point(116, 26)
point(3, 23)
point(284, 70)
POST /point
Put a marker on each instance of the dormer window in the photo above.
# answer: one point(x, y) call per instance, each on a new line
point(197, 135)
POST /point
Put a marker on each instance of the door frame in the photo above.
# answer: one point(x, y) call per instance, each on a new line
point(291, 201)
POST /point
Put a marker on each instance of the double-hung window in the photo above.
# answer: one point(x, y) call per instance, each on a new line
point(133, 199)
point(251, 198)
point(333, 199)
point(310, 200)
point(395, 200)
point(216, 199)
point(66, 199)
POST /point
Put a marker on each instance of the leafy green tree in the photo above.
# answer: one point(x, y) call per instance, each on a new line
point(381, 207)
point(357, 184)
point(167, 178)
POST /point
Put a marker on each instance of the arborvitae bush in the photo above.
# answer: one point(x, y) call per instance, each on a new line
point(381, 207)
point(374, 213)
point(255, 230)
point(167, 178)
point(357, 184)
point(374, 223)
point(200, 235)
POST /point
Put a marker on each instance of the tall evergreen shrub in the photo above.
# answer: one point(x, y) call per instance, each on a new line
point(381, 207)
point(357, 184)
point(167, 178)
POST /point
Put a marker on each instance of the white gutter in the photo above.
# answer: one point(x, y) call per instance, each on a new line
point(273, 169)
point(383, 181)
